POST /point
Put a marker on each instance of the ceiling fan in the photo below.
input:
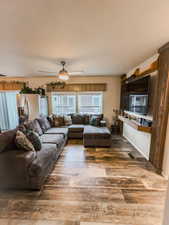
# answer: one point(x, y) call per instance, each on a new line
point(3, 75)
point(63, 74)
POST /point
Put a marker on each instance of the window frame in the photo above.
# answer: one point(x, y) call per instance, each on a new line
point(90, 93)
point(63, 93)
point(77, 94)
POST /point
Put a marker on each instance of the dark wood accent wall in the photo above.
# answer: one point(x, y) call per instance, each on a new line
point(152, 93)
point(160, 110)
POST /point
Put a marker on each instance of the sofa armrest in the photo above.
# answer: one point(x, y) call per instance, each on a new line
point(14, 167)
point(103, 123)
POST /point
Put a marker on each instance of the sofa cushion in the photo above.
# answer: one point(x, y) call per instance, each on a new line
point(23, 143)
point(7, 140)
point(91, 131)
point(57, 130)
point(35, 126)
point(77, 119)
point(52, 138)
point(34, 138)
point(44, 123)
point(76, 128)
point(43, 159)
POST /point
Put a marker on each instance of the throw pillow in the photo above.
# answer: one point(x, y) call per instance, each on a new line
point(22, 142)
point(34, 138)
point(67, 120)
point(58, 121)
point(95, 121)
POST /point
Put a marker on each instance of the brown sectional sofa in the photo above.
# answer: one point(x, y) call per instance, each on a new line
point(28, 170)
point(93, 136)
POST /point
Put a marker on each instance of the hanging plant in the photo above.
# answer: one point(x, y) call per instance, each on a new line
point(40, 91)
point(28, 90)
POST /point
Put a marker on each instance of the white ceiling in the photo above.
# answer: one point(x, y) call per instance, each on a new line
point(101, 37)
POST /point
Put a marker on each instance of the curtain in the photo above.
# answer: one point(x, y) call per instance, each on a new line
point(8, 110)
point(4, 122)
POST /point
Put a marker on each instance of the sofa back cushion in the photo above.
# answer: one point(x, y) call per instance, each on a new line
point(35, 126)
point(7, 140)
point(77, 118)
point(86, 119)
point(44, 123)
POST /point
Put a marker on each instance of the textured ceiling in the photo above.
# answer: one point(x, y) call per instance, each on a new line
point(101, 37)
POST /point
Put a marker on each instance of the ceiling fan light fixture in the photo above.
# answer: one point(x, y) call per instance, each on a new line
point(63, 74)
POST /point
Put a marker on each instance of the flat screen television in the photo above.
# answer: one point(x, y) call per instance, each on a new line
point(137, 96)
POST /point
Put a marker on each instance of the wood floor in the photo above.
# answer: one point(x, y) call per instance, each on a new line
point(92, 186)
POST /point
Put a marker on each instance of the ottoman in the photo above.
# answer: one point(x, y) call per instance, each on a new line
point(76, 131)
point(96, 137)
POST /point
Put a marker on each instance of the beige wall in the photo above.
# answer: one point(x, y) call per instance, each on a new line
point(111, 96)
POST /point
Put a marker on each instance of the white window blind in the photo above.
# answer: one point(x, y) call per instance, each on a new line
point(90, 103)
point(84, 103)
point(64, 103)
point(8, 110)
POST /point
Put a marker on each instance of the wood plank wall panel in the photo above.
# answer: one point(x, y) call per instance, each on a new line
point(160, 110)
point(11, 85)
point(79, 88)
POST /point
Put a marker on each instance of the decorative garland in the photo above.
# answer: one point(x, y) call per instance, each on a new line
point(28, 90)
point(57, 84)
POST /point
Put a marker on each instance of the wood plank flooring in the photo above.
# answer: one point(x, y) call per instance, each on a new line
point(91, 186)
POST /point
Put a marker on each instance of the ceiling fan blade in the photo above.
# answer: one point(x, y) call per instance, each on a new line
point(76, 72)
point(43, 71)
point(3, 75)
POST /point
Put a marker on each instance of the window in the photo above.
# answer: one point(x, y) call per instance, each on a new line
point(66, 103)
point(90, 103)
point(8, 110)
